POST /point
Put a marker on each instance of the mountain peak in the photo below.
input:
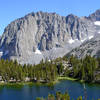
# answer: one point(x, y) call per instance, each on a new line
point(42, 35)
point(72, 16)
point(95, 16)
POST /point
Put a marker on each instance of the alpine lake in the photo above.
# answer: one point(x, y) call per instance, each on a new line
point(31, 92)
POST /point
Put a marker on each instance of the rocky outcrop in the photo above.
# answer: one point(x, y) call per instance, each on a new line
point(40, 35)
point(92, 45)
point(95, 16)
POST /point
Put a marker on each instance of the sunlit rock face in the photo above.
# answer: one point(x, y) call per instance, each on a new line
point(40, 35)
point(95, 16)
point(91, 45)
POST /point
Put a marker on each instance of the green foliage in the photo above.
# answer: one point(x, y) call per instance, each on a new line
point(79, 98)
point(89, 64)
point(51, 97)
point(76, 64)
point(38, 98)
point(59, 96)
point(11, 70)
point(84, 69)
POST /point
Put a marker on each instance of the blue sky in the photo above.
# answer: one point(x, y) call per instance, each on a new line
point(13, 9)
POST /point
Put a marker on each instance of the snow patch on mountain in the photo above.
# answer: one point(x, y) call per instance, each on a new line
point(71, 41)
point(90, 37)
point(1, 53)
point(49, 60)
point(83, 40)
point(38, 51)
point(97, 23)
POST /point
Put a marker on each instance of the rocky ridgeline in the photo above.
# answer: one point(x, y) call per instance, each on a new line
point(91, 46)
point(42, 35)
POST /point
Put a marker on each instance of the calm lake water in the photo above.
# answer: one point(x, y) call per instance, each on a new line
point(75, 89)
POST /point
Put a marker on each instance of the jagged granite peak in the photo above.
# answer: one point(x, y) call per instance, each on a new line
point(92, 45)
point(42, 35)
point(95, 16)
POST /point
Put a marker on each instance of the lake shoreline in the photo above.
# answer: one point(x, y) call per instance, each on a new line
point(47, 84)
point(38, 83)
point(38, 90)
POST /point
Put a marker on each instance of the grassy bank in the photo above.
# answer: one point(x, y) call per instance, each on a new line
point(69, 78)
point(20, 84)
point(66, 78)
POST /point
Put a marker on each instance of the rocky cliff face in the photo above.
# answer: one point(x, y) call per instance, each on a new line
point(92, 45)
point(42, 35)
point(95, 16)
